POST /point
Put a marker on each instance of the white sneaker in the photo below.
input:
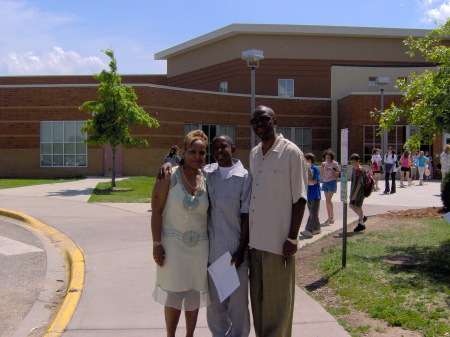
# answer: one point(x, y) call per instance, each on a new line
point(307, 234)
point(317, 231)
point(330, 220)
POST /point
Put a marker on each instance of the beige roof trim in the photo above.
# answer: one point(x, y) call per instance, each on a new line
point(273, 29)
point(369, 93)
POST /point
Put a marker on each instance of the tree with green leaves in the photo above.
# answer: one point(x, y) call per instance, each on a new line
point(113, 113)
point(426, 101)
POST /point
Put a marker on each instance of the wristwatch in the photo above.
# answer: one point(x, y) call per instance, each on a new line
point(294, 242)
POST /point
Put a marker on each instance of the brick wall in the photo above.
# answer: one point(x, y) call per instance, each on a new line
point(25, 163)
point(354, 113)
point(312, 78)
point(78, 79)
point(23, 108)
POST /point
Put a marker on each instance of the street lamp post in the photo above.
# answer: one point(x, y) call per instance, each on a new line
point(252, 56)
point(384, 135)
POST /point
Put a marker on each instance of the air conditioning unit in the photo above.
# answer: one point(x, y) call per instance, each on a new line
point(383, 80)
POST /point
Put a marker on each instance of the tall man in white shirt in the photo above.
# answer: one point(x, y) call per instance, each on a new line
point(279, 193)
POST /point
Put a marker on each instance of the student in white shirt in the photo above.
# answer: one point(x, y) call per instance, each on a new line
point(390, 163)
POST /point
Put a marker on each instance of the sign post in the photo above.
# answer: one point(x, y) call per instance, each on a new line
point(344, 196)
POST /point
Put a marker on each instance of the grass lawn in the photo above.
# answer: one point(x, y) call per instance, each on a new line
point(12, 183)
point(413, 295)
point(141, 191)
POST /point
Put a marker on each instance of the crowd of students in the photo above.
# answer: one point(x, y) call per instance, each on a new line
point(412, 165)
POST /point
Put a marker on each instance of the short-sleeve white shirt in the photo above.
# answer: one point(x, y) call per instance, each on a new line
point(279, 180)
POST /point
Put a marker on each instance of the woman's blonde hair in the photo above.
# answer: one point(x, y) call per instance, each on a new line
point(193, 136)
point(447, 147)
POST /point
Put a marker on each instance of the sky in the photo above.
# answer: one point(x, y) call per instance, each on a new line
point(66, 37)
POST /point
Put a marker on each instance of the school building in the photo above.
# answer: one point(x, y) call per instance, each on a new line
point(317, 79)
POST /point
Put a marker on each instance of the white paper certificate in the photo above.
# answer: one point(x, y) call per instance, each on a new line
point(224, 275)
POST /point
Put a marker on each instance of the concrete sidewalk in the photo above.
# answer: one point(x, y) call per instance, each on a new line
point(116, 241)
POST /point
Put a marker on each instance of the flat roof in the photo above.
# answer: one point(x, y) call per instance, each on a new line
point(275, 29)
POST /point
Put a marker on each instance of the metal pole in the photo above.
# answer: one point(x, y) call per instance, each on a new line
point(344, 197)
point(344, 194)
point(344, 236)
point(252, 105)
point(384, 136)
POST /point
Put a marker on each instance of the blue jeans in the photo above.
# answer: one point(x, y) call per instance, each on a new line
point(313, 223)
point(389, 176)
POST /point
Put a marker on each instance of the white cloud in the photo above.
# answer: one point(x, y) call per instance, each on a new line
point(54, 62)
point(436, 10)
point(429, 2)
point(28, 36)
point(440, 14)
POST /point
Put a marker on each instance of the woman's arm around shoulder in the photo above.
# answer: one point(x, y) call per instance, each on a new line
point(159, 197)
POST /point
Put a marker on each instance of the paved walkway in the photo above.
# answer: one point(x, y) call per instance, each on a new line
point(119, 270)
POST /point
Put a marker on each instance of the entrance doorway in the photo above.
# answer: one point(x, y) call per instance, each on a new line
point(107, 161)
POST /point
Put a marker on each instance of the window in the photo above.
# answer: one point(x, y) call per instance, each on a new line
point(212, 130)
point(62, 144)
point(372, 81)
point(223, 86)
point(396, 138)
point(302, 137)
point(286, 88)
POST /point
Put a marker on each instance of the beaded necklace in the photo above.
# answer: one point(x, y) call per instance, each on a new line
point(190, 202)
point(184, 177)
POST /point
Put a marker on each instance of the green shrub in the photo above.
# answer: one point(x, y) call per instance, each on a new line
point(445, 190)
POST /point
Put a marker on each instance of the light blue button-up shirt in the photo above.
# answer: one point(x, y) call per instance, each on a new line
point(229, 198)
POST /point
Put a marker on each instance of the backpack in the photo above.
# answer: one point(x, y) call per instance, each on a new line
point(368, 182)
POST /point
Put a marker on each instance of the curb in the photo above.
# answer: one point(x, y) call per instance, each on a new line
point(75, 268)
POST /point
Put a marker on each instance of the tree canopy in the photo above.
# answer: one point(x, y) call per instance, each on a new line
point(114, 112)
point(426, 101)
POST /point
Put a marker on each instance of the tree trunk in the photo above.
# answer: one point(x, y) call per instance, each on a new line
point(113, 177)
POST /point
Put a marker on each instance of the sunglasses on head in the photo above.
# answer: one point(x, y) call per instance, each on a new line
point(262, 119)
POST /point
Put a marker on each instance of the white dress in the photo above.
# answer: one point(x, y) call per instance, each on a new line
point(376, 162)
point(445, 163)
point(182, 282)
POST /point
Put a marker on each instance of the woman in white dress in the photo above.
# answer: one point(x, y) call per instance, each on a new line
point(445, 160)
point(180, 238)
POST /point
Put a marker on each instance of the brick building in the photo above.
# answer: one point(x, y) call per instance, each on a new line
point(318, 80)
